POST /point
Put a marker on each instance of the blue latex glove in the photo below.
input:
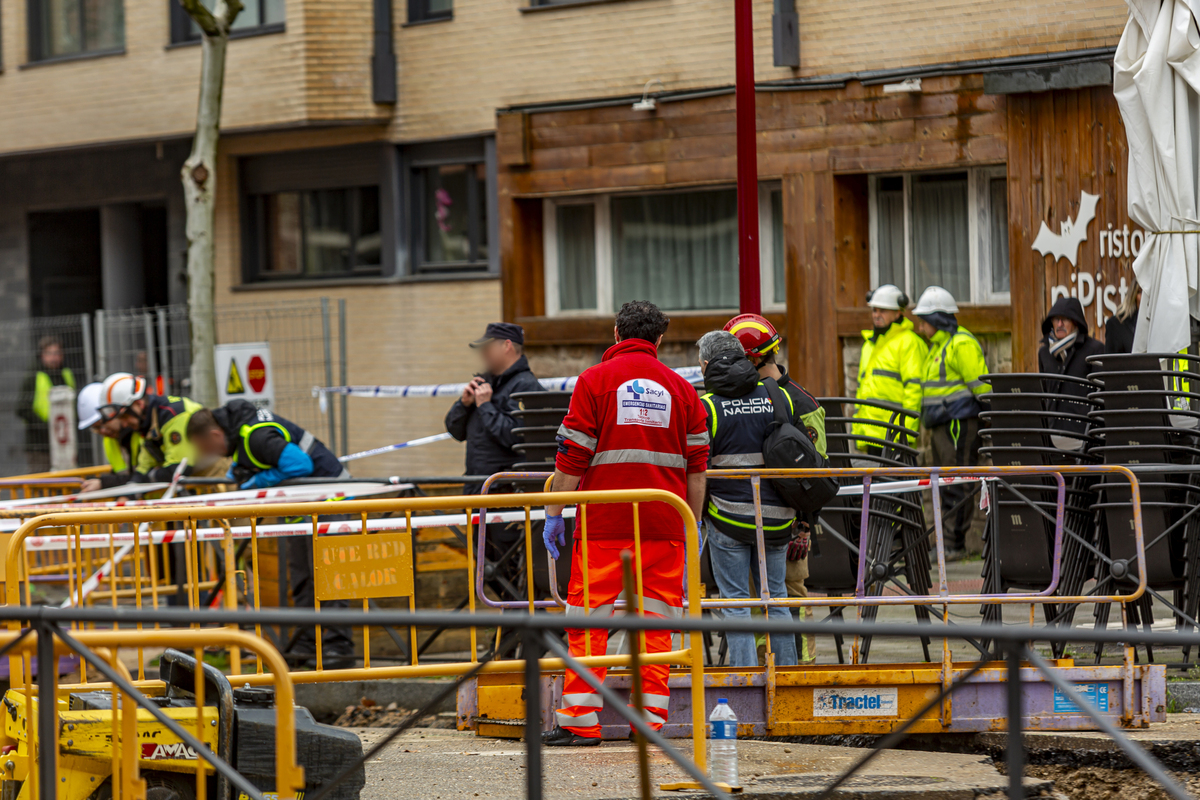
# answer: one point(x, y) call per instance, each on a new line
point(554, 534)
point(699, 541)
point(229, 475)
point(265, 479)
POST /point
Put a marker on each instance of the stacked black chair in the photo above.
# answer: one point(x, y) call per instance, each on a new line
point(1037, 419)
point(540, 414)
point(1148, 406)
point(897, 540)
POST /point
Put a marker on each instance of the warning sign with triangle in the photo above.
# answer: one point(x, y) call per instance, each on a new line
point(233, 384)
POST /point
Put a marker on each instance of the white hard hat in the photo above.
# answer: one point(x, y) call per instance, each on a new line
point(887, 296)
point(87, 405)
point(935, 299)
point(119, 391)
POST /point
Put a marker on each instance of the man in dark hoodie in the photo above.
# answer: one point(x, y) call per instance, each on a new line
point(1065, 351)
point(268, 449)
point(740, 413)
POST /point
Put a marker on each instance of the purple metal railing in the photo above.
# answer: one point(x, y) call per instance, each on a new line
point(860, 598)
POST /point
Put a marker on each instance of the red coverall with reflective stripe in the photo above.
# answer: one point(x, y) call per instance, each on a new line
point(633, 423)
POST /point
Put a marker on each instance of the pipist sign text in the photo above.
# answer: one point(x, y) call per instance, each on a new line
point(364, 565)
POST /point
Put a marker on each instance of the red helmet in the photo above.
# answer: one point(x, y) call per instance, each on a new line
point(756, 334)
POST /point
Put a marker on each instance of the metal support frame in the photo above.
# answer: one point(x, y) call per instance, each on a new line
point(544, 629)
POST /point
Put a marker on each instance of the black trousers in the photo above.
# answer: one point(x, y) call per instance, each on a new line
point(300, 580)
point(956, 444)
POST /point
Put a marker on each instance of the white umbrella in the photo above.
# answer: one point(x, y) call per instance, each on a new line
point(1157, 85)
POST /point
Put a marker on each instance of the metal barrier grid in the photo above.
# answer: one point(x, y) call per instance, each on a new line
point(39, 764)
point(542, 631)
point(347, 546)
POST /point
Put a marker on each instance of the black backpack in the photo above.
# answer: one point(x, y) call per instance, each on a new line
point(788, 447)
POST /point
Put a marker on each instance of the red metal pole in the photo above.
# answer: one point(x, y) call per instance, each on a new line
point(750, 294)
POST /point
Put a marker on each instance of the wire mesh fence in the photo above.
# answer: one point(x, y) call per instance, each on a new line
point(303, 343)
point(58, 348)
point(155, 342)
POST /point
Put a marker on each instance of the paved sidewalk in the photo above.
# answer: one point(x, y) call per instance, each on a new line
point(449, 765)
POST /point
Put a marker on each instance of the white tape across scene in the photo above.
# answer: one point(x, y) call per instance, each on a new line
point(101, 540)
point(277, 494)
point(444, 389)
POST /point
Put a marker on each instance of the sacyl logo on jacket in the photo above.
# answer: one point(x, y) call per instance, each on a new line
point(643, 402)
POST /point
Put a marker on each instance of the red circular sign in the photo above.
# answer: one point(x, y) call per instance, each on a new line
point(256, 373)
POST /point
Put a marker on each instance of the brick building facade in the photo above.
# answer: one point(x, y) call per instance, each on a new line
point(424, 166)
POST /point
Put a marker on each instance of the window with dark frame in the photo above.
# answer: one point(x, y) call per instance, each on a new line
point(429, 10)
point(450, 229)
point(257, 16)
point(64, 28)
point(322, 233)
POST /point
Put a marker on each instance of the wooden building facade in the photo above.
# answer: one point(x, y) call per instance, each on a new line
point(859, 184)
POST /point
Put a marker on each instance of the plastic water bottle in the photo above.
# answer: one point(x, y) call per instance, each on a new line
point(723, 759)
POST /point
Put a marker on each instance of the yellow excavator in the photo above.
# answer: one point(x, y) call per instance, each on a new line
point(236, 724)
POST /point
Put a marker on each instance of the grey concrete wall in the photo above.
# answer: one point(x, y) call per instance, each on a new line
point(70, 180)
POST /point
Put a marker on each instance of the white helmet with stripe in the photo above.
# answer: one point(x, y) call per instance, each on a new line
point(120, 390)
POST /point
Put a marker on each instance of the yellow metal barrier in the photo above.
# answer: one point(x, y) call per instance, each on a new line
point(123, 739)
point(348, 564)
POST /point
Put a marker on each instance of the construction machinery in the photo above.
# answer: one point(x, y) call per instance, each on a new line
point(237, 724)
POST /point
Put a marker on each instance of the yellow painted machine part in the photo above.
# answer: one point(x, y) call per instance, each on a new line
point(85, 744)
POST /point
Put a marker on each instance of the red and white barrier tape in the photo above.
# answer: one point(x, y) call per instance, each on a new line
point(276, 531)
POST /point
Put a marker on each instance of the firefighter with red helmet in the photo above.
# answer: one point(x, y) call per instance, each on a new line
point(761, 341)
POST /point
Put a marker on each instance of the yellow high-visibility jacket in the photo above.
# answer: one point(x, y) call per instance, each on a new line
point(890, 370)
point(950, 383)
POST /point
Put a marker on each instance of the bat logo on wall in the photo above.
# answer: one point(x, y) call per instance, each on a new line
point(1072, 232)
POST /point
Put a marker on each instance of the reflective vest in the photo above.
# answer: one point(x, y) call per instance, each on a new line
point(113, 454)
point(41, 392)
point(890, 370)
point(325, 463)
point(163, 441)
point(950, 383)
point(737, 428)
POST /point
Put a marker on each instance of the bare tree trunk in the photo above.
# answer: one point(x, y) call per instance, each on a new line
point(200, 190)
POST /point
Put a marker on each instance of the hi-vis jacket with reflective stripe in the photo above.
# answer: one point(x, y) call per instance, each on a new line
point(633, 424)
point(161, 443)
point(890, 370)
point(951, 378)
point(740, 414)
point(257, 437)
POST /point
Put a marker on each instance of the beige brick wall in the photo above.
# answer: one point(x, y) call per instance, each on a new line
point(453, 74)
point(319, 69)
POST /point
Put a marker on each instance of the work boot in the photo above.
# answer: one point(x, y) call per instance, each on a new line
point(338, 655)
point(561, 737)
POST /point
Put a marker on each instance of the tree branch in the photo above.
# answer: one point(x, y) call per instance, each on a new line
point(211, 24)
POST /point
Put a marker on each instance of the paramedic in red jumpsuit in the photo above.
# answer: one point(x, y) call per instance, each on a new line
point(633, 424)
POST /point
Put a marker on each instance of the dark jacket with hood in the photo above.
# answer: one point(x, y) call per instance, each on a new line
point(1118, 333)
point(740, 414)
point(1075, 364)
point(488, 429)
point(256, 438)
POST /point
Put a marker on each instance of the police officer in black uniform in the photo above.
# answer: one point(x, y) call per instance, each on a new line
point(268, 449)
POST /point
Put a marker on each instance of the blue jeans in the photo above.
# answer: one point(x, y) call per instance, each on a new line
point(735, 565)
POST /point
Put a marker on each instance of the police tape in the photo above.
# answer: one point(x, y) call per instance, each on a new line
point(276, 531)
point(449, 389)
point(437, 437)
point(278, 494)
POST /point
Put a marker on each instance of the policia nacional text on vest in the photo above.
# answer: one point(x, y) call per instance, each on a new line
point(737, 427)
